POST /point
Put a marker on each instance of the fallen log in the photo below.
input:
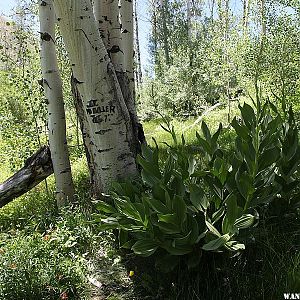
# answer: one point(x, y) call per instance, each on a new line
point(36, 168)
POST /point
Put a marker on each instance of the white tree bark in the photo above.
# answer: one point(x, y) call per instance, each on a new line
point(109, 123)
point(127, 32)
point(126, 80)
point(137, 54)
point(115, 39)
point(101, 12)
point(52, 84)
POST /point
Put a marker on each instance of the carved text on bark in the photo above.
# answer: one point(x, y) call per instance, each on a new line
point(100, 113)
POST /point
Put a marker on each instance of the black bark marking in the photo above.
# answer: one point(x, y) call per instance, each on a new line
point(105, 150)
point(123, 156)
point(67, 170)
point(102, 132)
point(92, 103)
point(45, 36)
point(115, 49)
point(76, 81)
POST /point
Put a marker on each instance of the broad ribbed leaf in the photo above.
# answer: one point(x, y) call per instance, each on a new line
point(244, 221)
point(217, 134)
point(105, 207)
point(127, 208)
point(180, 208)
point(217, 215)
point(168, 228)
point(144, 247)
point(179, 250)
point(234, 246)
point(168, 218)
point(109, 223)
point(168, 169)
point(217, 243)
point(206, 132)
point(149, 179)
point(212, 229)
point(241, 130)
point(149, 167)
point(157, 205)
point(198, 198)
point(269, 157)
point(244, 184)
point(181, 241)
point(204, 144)
point(248, 115)
point(231, 209)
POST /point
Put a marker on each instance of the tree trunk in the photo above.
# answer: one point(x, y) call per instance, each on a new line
point(189, 20)
point(226, 20)
point(52, 84)
point(246, 12)
point(212, 10)
point(112, 145)
point(263, 18)
point(165, 33)
point(137, 47)
point(115, 50)
point(126, 11)
point(37, 168)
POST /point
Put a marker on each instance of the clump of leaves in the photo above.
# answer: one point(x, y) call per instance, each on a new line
point(200, 202)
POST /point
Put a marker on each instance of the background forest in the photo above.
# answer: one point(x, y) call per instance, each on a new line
point(235, 62)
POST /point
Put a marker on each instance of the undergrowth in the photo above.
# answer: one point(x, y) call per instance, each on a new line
point(46, 254)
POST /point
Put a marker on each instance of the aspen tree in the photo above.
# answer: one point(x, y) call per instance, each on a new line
point(126, 11)
point(262, 4)
point(163, 9)
point(126, 76)
point(116, 49)
point(246, 12)
point(52, 84)
point(138, 68)
point(112, 138)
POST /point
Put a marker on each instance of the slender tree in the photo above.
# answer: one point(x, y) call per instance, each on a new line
point(127, 32)
point(115, 41)
point(262, 4)
point(154, 34)
point(52, 84)
point(189, 19)
point(165, 31)
point(246, 12)
point(138, 64)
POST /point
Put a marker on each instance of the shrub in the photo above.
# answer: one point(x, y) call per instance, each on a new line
point(201, 202)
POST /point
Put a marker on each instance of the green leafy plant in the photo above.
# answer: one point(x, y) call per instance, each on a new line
point(200, 202)
point(172, 210)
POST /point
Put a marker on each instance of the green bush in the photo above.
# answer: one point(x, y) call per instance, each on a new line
point(201, 202)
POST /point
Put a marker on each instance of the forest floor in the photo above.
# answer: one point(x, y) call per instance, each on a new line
point(31, 230)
